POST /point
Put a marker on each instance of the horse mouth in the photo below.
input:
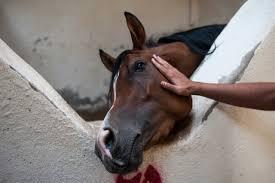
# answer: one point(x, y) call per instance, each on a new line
point(120, 165)
point(104, 153)
point(112, 165)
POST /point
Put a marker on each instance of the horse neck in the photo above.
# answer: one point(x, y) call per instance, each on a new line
point(181, 57)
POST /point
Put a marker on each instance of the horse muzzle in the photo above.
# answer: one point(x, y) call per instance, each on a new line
point(121, 152)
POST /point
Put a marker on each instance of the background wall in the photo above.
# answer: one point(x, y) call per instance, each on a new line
point(217, 11)
point(60, 39)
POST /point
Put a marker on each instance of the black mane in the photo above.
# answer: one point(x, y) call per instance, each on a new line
point(199, 40)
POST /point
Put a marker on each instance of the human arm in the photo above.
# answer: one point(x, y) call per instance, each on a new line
point(251, 95)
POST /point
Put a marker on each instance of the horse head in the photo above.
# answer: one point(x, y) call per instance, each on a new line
point(141, 113)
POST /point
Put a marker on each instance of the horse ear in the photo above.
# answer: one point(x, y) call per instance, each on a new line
point(136, 29)
point(107, 60)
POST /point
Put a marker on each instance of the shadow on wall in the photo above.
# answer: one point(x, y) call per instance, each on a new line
point(89, 109)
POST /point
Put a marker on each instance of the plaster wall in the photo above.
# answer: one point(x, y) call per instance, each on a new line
point(217, 11)
point(248, 134)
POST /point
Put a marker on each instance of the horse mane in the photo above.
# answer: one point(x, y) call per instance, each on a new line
point(199, 40)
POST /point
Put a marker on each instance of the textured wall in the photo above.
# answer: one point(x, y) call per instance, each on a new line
point(240, 143)
point(217, 11)
point(41, 138)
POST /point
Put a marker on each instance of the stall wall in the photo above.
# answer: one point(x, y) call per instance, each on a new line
point(234, 144)
point(217, 11)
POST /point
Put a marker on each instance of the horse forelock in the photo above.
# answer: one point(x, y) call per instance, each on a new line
point(116, 67)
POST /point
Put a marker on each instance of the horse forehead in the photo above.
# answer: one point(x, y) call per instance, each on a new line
point(146, 53)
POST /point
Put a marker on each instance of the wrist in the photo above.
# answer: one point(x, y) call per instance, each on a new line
point(195, 88)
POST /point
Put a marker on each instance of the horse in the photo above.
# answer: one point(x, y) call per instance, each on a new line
point(141, 113)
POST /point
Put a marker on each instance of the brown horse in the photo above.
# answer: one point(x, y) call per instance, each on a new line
point(141, 112)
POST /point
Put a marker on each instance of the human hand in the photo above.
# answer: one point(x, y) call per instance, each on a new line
point(179, 83)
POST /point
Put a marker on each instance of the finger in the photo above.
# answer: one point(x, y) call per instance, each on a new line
point(159, 60)
point(168, 74)
point(157, 64)
point(172, 70)
point(170, 87)
point(164, 62)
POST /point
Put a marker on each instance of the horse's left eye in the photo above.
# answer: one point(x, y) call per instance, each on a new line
point(139, 66)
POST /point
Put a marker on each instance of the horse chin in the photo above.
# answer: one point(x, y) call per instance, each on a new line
point(112, 167)
point(123, 164)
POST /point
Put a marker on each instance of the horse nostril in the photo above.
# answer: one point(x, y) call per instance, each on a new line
point(109, 140)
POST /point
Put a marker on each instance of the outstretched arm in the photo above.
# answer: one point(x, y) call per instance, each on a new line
point(250, 95)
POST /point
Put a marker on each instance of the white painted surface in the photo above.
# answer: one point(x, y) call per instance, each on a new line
point(235, 47)
point(40, 143)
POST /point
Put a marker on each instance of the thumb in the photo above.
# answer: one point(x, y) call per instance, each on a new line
point(170, 87)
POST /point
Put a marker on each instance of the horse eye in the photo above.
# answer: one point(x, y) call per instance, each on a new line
point(139, 66)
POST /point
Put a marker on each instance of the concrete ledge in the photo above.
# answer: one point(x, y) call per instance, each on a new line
point(39, 140)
